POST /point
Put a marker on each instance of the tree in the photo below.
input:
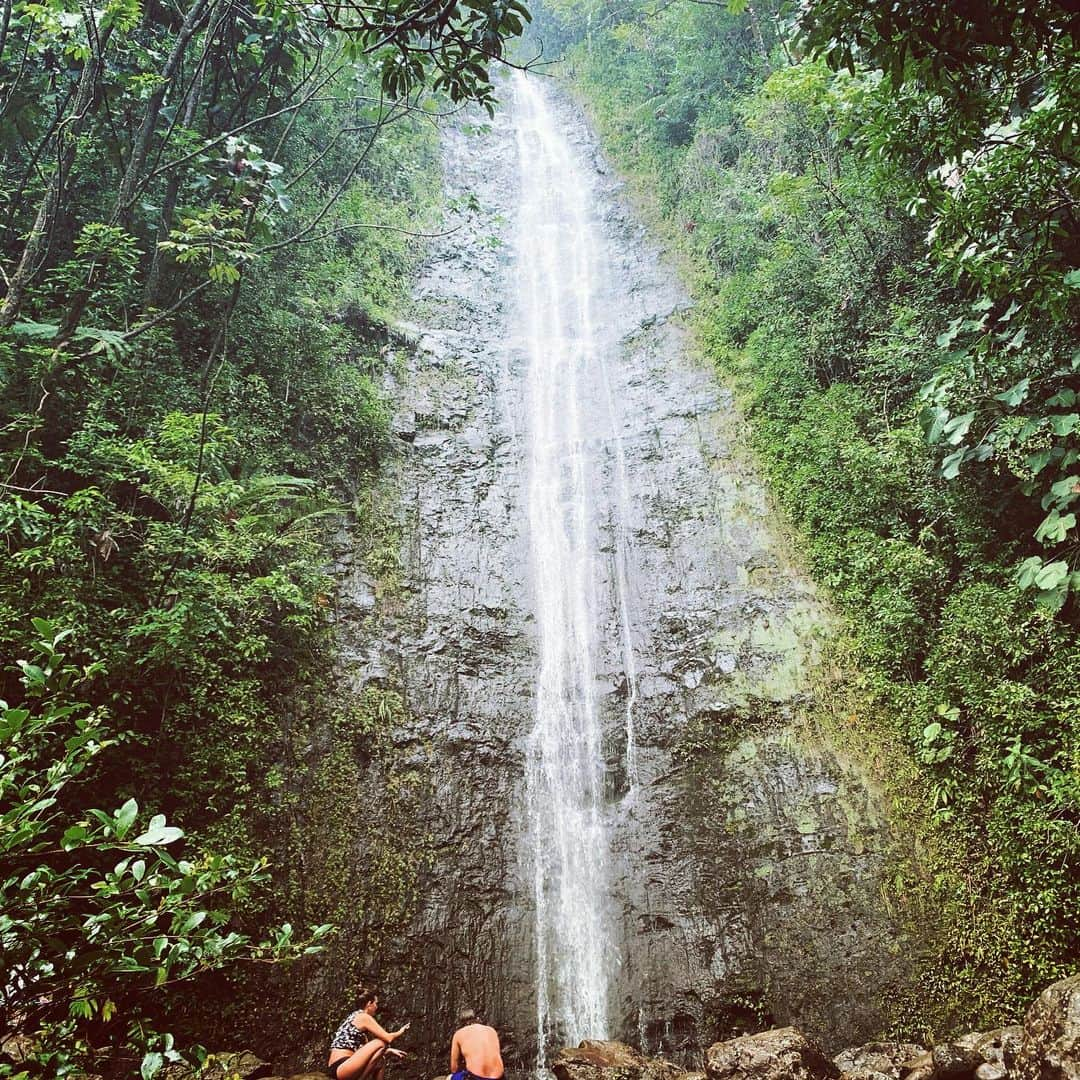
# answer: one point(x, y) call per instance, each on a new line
point(980, 106)
point(95, 912)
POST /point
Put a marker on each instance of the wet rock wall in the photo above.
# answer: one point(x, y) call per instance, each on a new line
point(748, 858)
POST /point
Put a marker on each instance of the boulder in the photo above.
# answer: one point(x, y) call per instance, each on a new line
point(780, 1054)
point(1051, 1045)
point(226, 1065)
point(919, 1067)
point(876, 1059)
point(956, 1060)
point(596, 1060)
point(1000, 1047)
point(991, 1070)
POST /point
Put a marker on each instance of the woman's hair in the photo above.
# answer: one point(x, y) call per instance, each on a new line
point(366, 994)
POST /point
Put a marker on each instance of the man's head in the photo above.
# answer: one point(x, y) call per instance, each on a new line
point(467, 1016)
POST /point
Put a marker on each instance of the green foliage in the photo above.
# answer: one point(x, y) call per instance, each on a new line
point(980, 108)
point(449, 47)
point(191, 360)
point(95, 908)
point(885, 276)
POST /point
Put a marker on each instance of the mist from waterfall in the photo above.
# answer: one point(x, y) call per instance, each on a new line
point(559, 261)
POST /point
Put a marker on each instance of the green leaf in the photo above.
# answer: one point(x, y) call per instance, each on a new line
point(39, 330)
point(1064, 423)
point(950, 466)
point(1017, 339)
point(1038, 461)
point(151, 1065)
point(159, 836)
point(1052, 575)
point(73, 837)
point(957, 428)
point(125, 818)
point(1062, 492)
point(933, 420)
point(1055, 527)
point(194, 920)
point(1015, 394)
point(1027, 571)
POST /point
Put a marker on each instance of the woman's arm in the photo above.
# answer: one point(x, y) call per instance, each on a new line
point(368, 1023)
point(455, 1054)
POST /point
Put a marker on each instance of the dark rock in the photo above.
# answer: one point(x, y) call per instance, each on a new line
point(885, 1058)
point(595, 1060)
point(780, 1054)
point(1000, 1047)
point(1051, 1044)
point(226, 1065)
point(866, 1074)
point(755, 860)
point(923, 1062)
point(955, 1061)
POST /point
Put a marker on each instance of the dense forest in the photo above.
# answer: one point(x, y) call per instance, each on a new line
point(208, 211)
point(211, 213)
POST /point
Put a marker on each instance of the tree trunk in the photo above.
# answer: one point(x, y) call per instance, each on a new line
point(39, 241)
point(140, 151)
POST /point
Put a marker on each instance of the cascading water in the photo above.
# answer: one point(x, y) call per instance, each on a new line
point(558, 263)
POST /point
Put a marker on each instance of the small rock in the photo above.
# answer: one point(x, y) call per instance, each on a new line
point(919, 1063)
point(991, 1070)
point(781, 1054)
point(955, 1061)
point(887, 1058)
point(226, 1065)
point(1000, 1047)
point(596, 1060)
point(1051, 1044)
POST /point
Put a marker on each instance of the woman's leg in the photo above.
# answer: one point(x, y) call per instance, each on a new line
point(363, 1062)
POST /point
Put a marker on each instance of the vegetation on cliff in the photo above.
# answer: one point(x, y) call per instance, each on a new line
point(208, 211)
point(881, 203)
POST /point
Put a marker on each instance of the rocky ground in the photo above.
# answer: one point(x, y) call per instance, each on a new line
point(1045, 1047)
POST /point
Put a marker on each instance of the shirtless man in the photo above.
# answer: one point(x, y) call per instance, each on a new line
point(474, 1051)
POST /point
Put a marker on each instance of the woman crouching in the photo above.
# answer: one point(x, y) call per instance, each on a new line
point(360, 1045)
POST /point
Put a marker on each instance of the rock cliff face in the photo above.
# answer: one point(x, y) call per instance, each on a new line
point(747, 859)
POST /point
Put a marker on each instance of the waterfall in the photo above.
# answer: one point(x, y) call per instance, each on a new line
point(569, 406)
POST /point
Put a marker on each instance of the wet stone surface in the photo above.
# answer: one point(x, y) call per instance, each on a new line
point(746, 863)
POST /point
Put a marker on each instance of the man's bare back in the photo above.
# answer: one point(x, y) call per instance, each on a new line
point(476, 1047)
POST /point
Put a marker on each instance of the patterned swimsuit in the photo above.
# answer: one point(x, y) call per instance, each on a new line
point(348, 1036)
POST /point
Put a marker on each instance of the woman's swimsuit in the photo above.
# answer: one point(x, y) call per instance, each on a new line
point(347, 1037)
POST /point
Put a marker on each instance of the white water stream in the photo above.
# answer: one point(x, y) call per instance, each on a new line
point(572, 421)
